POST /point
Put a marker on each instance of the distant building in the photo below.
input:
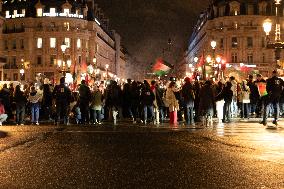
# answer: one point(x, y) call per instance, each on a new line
point(34, 31)
point(236, 26)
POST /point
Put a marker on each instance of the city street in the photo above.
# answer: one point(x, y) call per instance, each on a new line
point(237, 155)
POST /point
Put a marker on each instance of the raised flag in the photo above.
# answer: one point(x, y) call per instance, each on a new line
point(160, 68)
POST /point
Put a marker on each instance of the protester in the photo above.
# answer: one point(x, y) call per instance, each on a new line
point(147, 101)
point(172, 102)
point(206, 105)
point(62, 96)
point(84, 99)
point(34, 99)
point(20, 99)
point(188, 99)
point(245, 99)
point(96, 105)
point(274, 88)
point(3, 115)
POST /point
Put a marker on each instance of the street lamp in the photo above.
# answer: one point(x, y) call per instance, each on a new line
point(64, 65)
point(277, 44)
point(22, 72)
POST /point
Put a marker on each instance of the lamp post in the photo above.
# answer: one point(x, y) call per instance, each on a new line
point(64, 65)
point(277, 44)
point(213, 46)
point(22, 72)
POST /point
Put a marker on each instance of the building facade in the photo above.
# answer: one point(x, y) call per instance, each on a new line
point(34, 31)
point(237, 28)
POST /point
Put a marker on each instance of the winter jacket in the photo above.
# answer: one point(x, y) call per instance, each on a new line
point(188, 95)
point(20, 99)
point(96, 100)
point(274, 87)
point(171, 100)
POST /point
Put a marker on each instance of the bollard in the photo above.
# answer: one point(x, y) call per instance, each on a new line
point(114, 114)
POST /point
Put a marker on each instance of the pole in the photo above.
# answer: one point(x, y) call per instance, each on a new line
point(204, 66)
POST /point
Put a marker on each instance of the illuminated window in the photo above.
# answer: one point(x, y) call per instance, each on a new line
point(39, 12)
point(24, 12)
point(52, 12)
point(15, 12)
point(67, 42)
point(66, 11)
point(52, 42)
point(234, 42)
point(67, 26)
point(78, 43)
point(87, 44)
point(39, 43)
point(7, 14)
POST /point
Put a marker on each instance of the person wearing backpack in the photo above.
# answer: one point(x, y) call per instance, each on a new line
point(274, 89)
point(188, 98)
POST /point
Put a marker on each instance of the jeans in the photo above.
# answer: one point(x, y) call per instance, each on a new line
point(62, 112)
point(20, 114)
point(151, 111)
point(97, 115)
point(276, 108)
point(35, 112)
point(234, 108)
point(188, 111)
point(162, 113)
point(227, 111)
point(245, 110)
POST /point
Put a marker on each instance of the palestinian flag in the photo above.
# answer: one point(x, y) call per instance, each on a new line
point(160, 68)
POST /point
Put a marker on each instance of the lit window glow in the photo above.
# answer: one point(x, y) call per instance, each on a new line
point(39, 12)
point(78, 43)
point(39, 43)
point(67, 42)
point(52, 42)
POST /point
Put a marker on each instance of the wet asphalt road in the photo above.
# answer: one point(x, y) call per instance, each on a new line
point(127, 157)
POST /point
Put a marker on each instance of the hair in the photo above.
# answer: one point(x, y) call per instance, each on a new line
point(153, 82)
point(17, 90)
point(172, 84)
point(83, 82)
point(62, 80)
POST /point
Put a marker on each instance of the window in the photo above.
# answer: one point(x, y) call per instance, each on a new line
point(235, 25)
point(249, 42)
point(250, 58)
point(67, 42)
point(78, 43)
point(39, 43)
point(6, 45)
point(67, 26)
point(39, 12)
point(15, 12)
point(250, 10)
point(39, 60)
point(7, 14)
point(15, 77)
point(80, 60)
point(87, 44)
point(234, 42)
point(22, 43)
point(52, 12)
point(234, 57)
point(263, 58)
point(14, 44)
point(14, 64)
point(221, 43)
point(24, 12)
point(52, 42)
point(52, 59)
point(263, 41)
point(66, 11)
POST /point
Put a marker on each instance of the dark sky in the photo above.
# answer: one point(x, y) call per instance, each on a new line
point(146, 25)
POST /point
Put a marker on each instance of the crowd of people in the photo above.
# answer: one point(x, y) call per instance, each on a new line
point(144, 102)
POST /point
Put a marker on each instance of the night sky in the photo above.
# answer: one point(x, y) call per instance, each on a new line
point(146, 25)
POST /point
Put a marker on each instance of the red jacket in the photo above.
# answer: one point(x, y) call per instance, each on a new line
point(2, 109)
